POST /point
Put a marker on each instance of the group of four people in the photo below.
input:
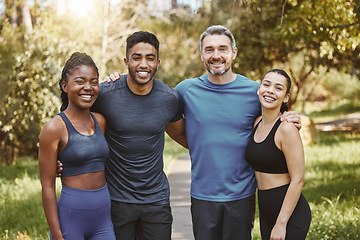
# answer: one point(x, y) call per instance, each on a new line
point(122, 187)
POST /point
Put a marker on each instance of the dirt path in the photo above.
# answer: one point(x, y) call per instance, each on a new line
point(350, 123)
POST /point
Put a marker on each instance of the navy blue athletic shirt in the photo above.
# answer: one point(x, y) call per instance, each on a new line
point(135, 127)
point(83, 153)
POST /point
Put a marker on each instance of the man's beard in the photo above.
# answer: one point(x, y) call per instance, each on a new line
point(219, 73)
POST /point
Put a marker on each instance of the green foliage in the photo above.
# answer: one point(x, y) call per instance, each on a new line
point(21, 211)
point(299, 36)
point(31, 97)
point(332, 186)
point(342, 85)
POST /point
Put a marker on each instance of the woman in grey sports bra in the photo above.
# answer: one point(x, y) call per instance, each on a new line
point(275, 152)
point(76, 137)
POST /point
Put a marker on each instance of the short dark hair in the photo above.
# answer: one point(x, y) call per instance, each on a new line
point(142, 37)
point(76, 60)
point(284, 106)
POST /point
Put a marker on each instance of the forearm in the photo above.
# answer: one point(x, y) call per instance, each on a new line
point(290, 201)
point(180, 140)
point(51, 212)
point(176, 130)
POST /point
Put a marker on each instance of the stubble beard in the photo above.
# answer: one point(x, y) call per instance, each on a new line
point(133, 76)
point(218, 73)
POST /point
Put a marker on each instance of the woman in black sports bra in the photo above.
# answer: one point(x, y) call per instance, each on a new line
point(275, 152)
point(76, 137)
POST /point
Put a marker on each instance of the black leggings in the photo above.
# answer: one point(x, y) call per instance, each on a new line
point(270, 202)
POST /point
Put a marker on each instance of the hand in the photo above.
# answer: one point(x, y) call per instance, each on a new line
point(292, 117)
point(59, 169)
point(114, 77)
point(278, 232)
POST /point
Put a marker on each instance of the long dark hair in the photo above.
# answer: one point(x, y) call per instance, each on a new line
point(284, 106)
point(76, 60)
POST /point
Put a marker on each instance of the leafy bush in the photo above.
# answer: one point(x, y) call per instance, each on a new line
point(342, 85)
point(31, 97)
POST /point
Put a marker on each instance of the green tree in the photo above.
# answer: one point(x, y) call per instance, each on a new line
point(278, 33)
point(31, 95)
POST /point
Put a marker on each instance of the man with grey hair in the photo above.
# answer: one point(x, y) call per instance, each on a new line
point(220, 108)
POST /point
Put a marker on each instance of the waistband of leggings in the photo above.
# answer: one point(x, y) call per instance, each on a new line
point(84, 199)
point(275, 188)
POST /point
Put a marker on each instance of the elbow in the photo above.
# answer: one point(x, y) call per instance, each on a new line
point(298, 182)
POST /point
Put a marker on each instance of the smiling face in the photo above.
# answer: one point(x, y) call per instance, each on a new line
point(142, 63)
point(217, 54)
point(82, 87)
point(273, 91)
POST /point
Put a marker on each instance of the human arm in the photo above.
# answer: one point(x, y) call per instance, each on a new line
point(113, 77)
point(176, 130)
point(292, 117)
point(48, 149)
point(290, 143)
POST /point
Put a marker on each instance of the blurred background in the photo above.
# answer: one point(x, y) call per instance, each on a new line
point(316, 42)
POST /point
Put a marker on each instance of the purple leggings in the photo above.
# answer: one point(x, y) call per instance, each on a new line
point(85, 214)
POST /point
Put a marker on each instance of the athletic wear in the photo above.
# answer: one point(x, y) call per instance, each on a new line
point(83, 153)
point(218, 123)
point(135, 134)
point(85, 214)
point(270, 202)
point(141, 221)
point(223, 220)
point(265, 156)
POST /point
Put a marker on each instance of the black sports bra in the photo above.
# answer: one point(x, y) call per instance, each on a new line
point(83, 153)
point(265, 156)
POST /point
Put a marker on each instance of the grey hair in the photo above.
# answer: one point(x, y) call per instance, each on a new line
point(217, 30)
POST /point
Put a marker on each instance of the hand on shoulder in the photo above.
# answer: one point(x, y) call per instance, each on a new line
point(292, 117)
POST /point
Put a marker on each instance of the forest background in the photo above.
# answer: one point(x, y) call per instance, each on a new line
point(316, 41)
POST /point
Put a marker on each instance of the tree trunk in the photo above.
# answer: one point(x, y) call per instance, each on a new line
point(10, 12)
point(105, 37)
point(25, 16)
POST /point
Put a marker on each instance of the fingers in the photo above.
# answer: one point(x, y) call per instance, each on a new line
point(113, 77)
point(58, 168)
point(295, 119)
point(59, 164)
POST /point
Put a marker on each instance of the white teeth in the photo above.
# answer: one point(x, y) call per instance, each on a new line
point(143, 73)
point(269, 98)
point(86, 96)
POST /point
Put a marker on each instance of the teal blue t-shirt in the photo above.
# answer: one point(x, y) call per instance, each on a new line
point(218, 122)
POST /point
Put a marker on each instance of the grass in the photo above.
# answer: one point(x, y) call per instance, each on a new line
point(332, 187)
point(329, 111)
point(21, 212)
